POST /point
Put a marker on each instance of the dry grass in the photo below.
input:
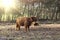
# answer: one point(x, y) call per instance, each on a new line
point(41, 32)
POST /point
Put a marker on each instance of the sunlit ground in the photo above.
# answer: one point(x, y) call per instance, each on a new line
point(42, 32)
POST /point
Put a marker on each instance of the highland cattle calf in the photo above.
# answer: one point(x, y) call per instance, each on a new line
point(25, 21)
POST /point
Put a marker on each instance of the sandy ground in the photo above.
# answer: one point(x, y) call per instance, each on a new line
point(41, 32)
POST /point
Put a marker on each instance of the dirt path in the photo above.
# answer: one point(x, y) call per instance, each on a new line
point(42, 32)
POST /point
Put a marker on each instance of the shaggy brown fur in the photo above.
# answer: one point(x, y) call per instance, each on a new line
point(25, 21)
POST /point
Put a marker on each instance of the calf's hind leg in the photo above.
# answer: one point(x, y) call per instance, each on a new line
point(17, 27)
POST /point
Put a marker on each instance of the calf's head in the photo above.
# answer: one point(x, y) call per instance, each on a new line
point(34, 21)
